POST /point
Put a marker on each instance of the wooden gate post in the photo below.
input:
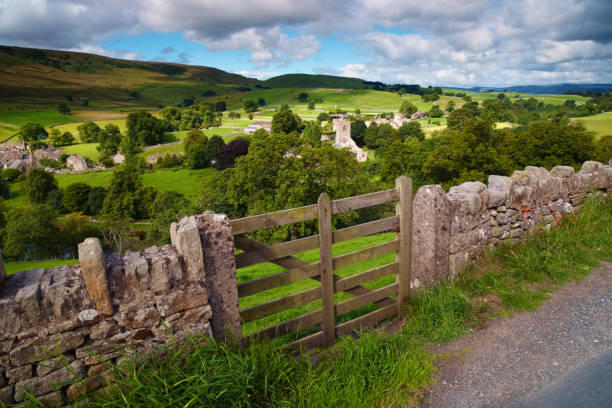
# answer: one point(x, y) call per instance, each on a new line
point(403, 210)
point(326, 268)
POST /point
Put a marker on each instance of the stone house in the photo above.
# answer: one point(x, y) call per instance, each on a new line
point(76, 162)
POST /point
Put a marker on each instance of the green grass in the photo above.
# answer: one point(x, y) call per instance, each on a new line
point(600, 124)
point(84, 149)
point(162, 149)
point(183, 181)
point(266, 268)
point(46, 119)
point(7, 130)
point(13, 267)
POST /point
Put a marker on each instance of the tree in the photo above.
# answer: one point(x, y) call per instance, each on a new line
point(450, 106)
point(73, 229)
point(261, 102)
point(230, 152)
point(603, 149)
point(197, 117)
point(95, 200)
point(31, 230)
point(407, 109)
point(63, 109)
point(145, 129)
point(38, 184)
point(119, 201)
point(172, 115)
point(311, 105)
point(312, 133)
point(56, 201)
point(459, 117)
point(167, 208)
point(89, 132)
point(220, 106)
point(76, 196)
point(110, 139)
point(411, 129)
point(323, 117)
point(435, 112)
point(358, 131)
point(396, 159)
point(250, 106)
point(5, 191)
point(11, 175)
point(194, 136)
point(212, 149)
point(58, 139)
point(302, 97)
point(284, 121)
point(370, 139)
point(196, 156)
point(31, 132)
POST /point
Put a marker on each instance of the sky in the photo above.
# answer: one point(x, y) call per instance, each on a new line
point(433, 42)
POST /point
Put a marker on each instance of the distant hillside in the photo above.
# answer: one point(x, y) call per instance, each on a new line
point(543, 89)
point(48, 73)
point(314, 81)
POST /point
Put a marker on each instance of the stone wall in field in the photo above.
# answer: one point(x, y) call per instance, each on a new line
point(63, 324)
point(451, 229)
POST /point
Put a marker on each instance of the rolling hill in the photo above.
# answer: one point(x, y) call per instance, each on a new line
point(28, 72)
point(314, 81)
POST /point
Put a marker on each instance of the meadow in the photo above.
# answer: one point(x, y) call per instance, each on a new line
point(45, 118)
point(600, 124)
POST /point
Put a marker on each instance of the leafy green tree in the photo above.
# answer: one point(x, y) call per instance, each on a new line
point(196, 156)
point(358, 131)
point(407, 109)
point(56, 200)
point(119, 201)
point(450, 106)
point(261, 102)
point(31, 230)
point(435, 112)
point(250, 106)
point(370, 139)
point(459, 117)
point(311, 105)
point(194, 136)
point(32, 132)
point(212, 149)
point(197, 117)
point(411, 129)
point(38, 184)
point(63, 109)
point(323, 117)
point(76, 196)
point(168, 207)
point(110, 139)
point(172, 115)
point(144, 198)
point(5, 191)
point(145, 129)
point(603, 149)
point(220, 106)
point(397, 158)
point(95, 200)
point(89, 132)
point(284, 121)
point(312, 133)
point(302, 97)
point(73, 229)
point(58, 139)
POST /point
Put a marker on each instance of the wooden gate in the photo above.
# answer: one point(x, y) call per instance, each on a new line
point(296, 269)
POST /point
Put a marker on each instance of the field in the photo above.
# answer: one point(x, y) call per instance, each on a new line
point(84, 149)
point(46, 119)
point(600, 124)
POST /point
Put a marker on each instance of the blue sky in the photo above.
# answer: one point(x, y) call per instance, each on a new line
point(439, 42)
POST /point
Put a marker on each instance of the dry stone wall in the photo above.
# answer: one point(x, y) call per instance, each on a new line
point(452, 229)
point(63, 324)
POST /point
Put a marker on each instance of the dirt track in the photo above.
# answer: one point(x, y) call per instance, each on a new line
point(512, 359)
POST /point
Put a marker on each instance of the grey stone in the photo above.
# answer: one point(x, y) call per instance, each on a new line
point(185, 237)
point(34, 350)
point(505, 235)
point(562, 171)
point(93, 265)
point(137, 271)
point(173, 302)
point(566, 208)
point(464, 240)
point(6, 395)
point(497, 232)
point(52, 399)
point(103, 329)
point(218, 245)
point(28, 296)
point(48, 366)
point(499, 187)
point(501, 208)
point(502, 218)
point(493, 213)
point(17, 374)
point(591, 166)
point(146, 317)
point(44, 385)
point(549, 219)
point(431, 236)
point(88, 315)
point(456, 263)
point(515, 233)
point(468, 198)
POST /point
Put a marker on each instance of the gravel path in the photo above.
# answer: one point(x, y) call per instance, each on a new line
point(509, 362)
